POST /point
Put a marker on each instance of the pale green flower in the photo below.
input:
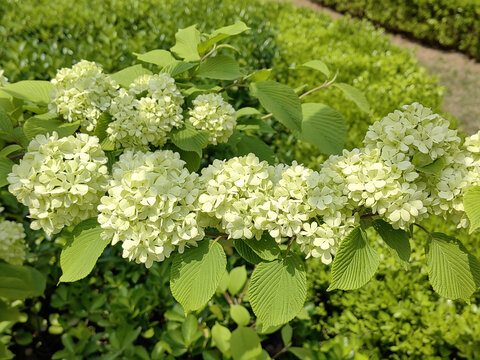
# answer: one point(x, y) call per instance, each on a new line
point(144, 114)
point(60, 180)
point(212, 113)
point(82, 93)
point(151, 206)
point(3, 79)
point(12, 242)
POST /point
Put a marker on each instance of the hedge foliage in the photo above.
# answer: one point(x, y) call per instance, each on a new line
point(449, 23)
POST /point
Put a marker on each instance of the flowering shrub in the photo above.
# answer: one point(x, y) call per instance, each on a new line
point(130, 161)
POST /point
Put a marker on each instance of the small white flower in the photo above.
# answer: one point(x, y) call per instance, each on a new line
point(12, 242)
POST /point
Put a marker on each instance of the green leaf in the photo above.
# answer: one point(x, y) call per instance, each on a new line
point(7, 150)
point(323, 127)
point(397, 239)
point(252, 144)
point(247, 111)
point(240, 315)
point(128, 75)
point(196, 273)
point(260, 75)
point(222, 33)
point(453, 272)
point(186, 45)
point(266, 248)
point(79, 256)
point(102, 125)
point(20, 282)
point(355, 262)
point(158, 57)
point(190, 139)
point(255, 125)
point(223, 284)
point(287, 333)
point(177, 67)
point(317, 65)
point(471, 202)
point(8, 313)
point(246, 252)
point(277, 290)
point(221, 335)
point(36, 91)
point(6, 125)
point(219, 67)
point(5, 169)
point(245, 344)
point(48, 123)
point(107, 144)
point(355, 95)
point(191, 158)
point(435, 168)
point(237, 280)
point(190, 330)
point(281, 101)
point(420, 160)
point(302, 353)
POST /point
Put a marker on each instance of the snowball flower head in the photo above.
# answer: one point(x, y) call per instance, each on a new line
point(150, 206)
point(82, 93)
point(472, 143)
point(146, 112)
point(3, 79)
point(212, 113)
point(60, 180)
point(12, 242)
point(231, 192)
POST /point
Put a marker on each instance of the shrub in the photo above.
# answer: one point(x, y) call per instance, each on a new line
point(451, 24)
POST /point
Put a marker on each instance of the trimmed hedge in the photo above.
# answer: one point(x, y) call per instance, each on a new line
point(449, 23)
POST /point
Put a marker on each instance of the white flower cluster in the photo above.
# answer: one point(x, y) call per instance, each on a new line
point(12, 242)
point(150, 206)
point(60, 180)
point(211, 112)
point(3, 79)
point(82, 93)
point(146, 112)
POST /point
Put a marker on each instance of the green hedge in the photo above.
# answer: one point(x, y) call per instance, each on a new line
point(449, 23)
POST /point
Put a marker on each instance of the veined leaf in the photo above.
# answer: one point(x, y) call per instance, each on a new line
point(186, 46)
point(247, 111)
point(240, 315)
point(79, 256)
point(222, 33)
point(196, 273)
point(102, 124)
point(355, 262)
point(246, 252)
point(7, 150)
point(281, 101)
point(219, 67)
point(252, 144)
point(20, 282)
point(471, 202)
point(324, 127)
point(266, 248)
point(128, 75)
point(453, 272)
point(48, 123)
point(260, 75)
point(5, 169)
point(36, 91)
point(190, 139)
point(355, 95)
point(177, 67)
point(158, 57)
point(317, 65)
point(245, 344)
point(435, 168)
point(237, 280)
point(277, 290)
point(6, 125)
point(397, 239)
point(221, 335)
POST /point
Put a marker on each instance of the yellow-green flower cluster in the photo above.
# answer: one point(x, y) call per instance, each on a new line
point(144, 114)
point(60, 180)
point(12, 242)
point(212, 113)
point(82, 93)
point(3, 79)
point(151, 206)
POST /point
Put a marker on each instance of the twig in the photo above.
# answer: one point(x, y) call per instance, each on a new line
point(244, 291)
point(421, 227)
point(209, 53)
point(289, 245)
point(280, 352)
point(228, 298)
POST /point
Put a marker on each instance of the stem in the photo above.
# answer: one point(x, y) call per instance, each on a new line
point(289, 245)
point(280, 352)
point(18, 156)
point(227, 297)
point(214, 241)
point(244, 291)
point(209, 53)
point(425, 230)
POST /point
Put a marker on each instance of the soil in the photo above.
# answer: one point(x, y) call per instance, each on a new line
point(456, 72)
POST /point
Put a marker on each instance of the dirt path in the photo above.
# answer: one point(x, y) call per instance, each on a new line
point(457, 73)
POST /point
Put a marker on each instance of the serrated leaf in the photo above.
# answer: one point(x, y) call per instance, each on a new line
point(79, 256)
point(102, 125)
point(247, 111)
point(48, 123)
point(20, 282)
point(36, 91)
point(190, 139)
point(281, 101)
point(246, 252)
point(453, 272)
point(252, 144)
point(196, 273)
point(7, 150)
point(277, 290)
point(222, 33)
point(158, 57)
point(177, 67)
point(245, 344)
point(5, 169)
point(255, 125)
point(220, 67)
point(192, 159)
point(266, 248)
point(240, 315)
point(6, 125)
point(317, 65)
point(397, 239)
point(221, 335)
point(355, 262)
point(186, 45)
point(237, 280)
point(355, 95)
point(323, 127)
point(128, 75)
point(471, 202)
point(260, 75)
point(435, 168)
